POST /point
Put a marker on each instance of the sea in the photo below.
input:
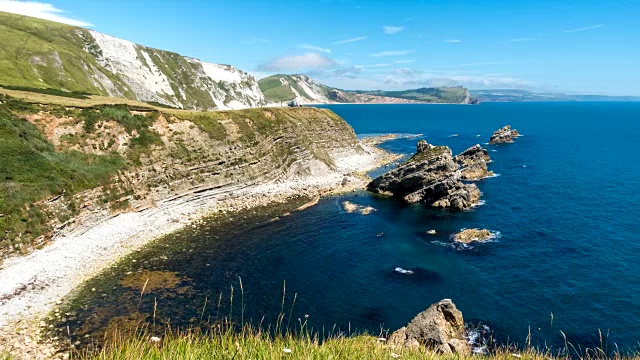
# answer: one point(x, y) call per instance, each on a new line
point(564, 266)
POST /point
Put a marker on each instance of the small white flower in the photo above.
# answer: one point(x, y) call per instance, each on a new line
point(516, 355)
point(394, 355)
point(155, 339)
point(306, 315)
point(382, 339)
point(287, 351)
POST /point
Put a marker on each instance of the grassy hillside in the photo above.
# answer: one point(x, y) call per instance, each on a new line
point(274, 90)
point(44, 54)
point(36, 53)
point(279, 88)
point(454, 95)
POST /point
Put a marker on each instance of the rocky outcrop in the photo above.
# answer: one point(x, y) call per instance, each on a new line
point(350, 207)
point(504, 135)
point(431, 176)
point(439, 328)
point(468, 236)
point(474, 163)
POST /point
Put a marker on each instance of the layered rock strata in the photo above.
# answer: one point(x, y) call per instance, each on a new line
point(431, 176)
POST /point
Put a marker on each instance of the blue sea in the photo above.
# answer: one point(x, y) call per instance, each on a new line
point(567, 260)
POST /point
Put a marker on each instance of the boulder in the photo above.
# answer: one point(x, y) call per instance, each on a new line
point(430, 176)
point(439, 328)
point(467, 236)
point(504, 135)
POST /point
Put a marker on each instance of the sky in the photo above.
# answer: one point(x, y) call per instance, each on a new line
point(578, 47)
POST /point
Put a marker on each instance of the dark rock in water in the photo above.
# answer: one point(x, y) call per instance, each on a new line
point(439, 328)
point(474, 163)
point(430, 176)
point(504, 135)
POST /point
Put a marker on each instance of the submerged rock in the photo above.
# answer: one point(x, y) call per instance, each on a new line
point(504, 135)
point(350, 207)
point(467, 236)
point(439, 328)
point(430, 176)
point(474, 163)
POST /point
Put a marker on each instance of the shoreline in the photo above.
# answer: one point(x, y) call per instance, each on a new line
point(34, 284)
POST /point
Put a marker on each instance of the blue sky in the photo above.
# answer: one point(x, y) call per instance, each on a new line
point(571, 46)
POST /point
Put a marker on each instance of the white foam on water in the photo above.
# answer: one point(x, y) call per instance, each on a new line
point(403, 271)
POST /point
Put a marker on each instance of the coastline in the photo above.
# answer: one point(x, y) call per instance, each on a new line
point(33, 285)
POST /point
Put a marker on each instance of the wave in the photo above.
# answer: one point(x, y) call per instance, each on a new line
point(478, 337)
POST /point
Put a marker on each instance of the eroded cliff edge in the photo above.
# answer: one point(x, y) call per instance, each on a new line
point(89, 185)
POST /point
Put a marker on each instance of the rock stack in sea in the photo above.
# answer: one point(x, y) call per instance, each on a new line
point(504, 135)
point(467, 236)
point(474, 163)
point(440, 328)
point(430, 176)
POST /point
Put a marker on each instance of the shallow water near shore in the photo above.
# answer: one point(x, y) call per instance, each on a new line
point(565, 204)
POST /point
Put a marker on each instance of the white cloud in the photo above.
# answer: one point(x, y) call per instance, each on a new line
point(371, 66)
point(391, 30)
point(39, 10)
point(315, 48)
point(453, 41)
point(596, 26)
point(404, 61)
point(406, 79)
point(391, 53)
point(298, 62)
point(359, 38)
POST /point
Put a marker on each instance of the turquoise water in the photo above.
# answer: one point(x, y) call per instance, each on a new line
point(565, 203)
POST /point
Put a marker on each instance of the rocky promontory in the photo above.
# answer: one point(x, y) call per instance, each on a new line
point(439, 328)
point(474, 163)
point(504, 135)
point(430, 176)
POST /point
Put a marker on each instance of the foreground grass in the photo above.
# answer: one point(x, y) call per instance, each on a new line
point(252, 344)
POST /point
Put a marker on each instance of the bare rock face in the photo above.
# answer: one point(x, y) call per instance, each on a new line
point(474, 163)
point(504, 135)
point(431, 176)
point(439, 328)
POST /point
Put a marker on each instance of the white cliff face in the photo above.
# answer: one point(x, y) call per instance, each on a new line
point(311, 88)
point(155, 75)
point(121, 57)
point(241, 86)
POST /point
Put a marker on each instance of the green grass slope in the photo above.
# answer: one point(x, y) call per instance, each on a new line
point(32, 170)
point(43, 54)
point(281, 87)
point(456, 94)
